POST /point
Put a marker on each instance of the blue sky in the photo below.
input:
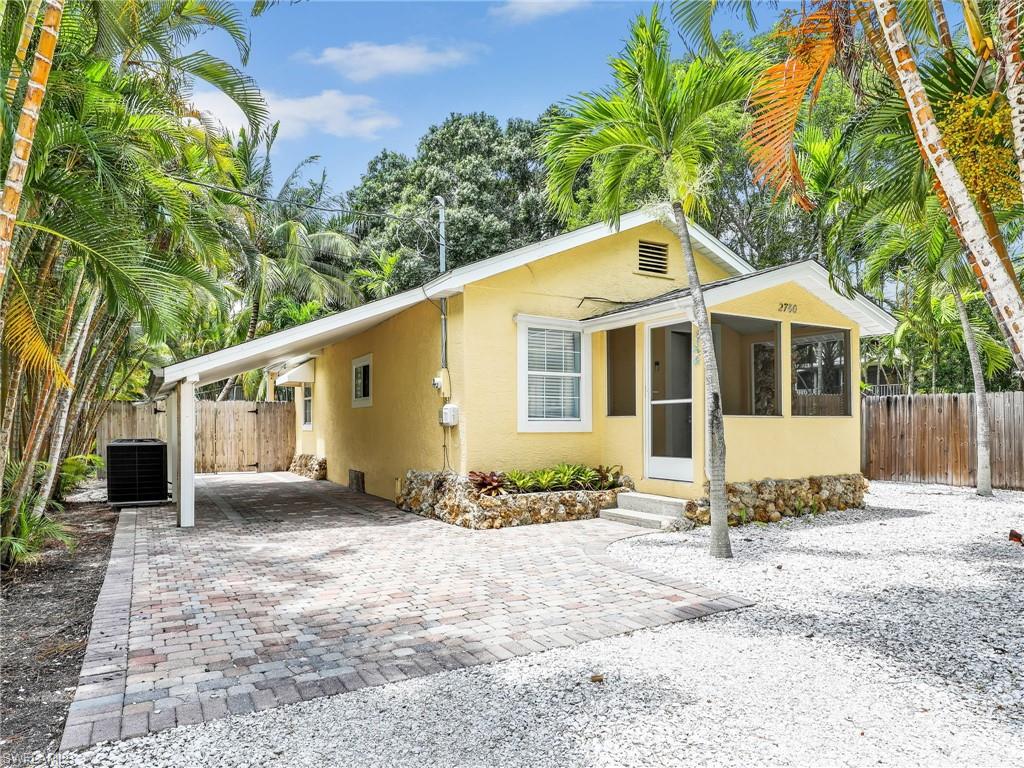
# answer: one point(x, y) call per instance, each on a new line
point(347, 79)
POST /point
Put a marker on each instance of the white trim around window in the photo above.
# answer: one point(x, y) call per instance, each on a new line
point(576, 423)
point(362, 378)
point(307, 407)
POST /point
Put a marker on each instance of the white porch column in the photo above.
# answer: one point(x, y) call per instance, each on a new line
point(186, 490)
point(171, 427)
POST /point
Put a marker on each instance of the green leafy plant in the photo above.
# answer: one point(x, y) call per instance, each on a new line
point(77, 469)
point(519, 481)
point(31, 535)
point(488, 483)
point(568, 476)
point(544, 479)
point(588, 478)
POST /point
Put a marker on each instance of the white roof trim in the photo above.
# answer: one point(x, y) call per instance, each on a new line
point(871, 319)
point(276, 348)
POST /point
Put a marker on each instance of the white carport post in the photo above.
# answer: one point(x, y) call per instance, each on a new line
point(184, 431)
point(171, 413)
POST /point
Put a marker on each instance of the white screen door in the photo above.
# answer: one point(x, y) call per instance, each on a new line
point(669, 449)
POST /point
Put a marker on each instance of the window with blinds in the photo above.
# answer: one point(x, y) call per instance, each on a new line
point(554, 373)
point(652, 258)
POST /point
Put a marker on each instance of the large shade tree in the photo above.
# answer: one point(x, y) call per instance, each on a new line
point(657, 111)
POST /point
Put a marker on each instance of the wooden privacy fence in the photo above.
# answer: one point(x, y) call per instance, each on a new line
point(231, 436)
point(932, 438)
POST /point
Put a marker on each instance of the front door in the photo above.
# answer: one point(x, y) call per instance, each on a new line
point(669, 438)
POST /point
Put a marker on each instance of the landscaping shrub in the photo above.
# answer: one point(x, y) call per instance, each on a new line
point(30, 533)
point(563, 477)
point(77, 469)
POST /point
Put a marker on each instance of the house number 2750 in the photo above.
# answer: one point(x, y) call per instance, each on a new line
point(785, 306)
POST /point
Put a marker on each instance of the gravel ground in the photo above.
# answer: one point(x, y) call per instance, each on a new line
point(892, 635)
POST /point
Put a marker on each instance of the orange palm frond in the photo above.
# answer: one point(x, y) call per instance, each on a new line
point(780, 93)
point(23, 337)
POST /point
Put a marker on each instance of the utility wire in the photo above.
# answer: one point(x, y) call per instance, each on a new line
point(300, 204)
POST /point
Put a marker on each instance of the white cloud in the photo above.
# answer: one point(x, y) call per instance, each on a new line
point(344, 115)
point(362, 61)
point(526, 11)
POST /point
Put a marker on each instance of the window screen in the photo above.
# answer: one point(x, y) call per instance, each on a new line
point(307, 405)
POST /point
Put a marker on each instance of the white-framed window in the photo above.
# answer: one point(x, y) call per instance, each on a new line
point(553, 375)
point(362, 381)
point(307, 407)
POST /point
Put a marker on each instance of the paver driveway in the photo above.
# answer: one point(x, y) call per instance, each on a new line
point(289, 589)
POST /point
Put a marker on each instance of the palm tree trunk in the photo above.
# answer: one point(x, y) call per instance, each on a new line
point(60, 422)
point(12, 389)
point(714, 442)
point(25, 133)
point(28, 26)
point(945, 36)
point(983, 477)
point(999, 287)
point(1013, 69)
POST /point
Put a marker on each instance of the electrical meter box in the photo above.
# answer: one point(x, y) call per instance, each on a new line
point(449, 415)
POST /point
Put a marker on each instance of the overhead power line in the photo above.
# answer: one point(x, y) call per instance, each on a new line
point(299, 203)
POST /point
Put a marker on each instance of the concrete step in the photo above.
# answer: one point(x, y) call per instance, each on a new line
point(663, 506)
point(641, 519)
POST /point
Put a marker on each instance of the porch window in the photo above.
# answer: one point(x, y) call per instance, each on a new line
point(747, 349)
point(554, 380)
point(362, 390)
point(307, 406)
point(621, 354)
point(821, 371)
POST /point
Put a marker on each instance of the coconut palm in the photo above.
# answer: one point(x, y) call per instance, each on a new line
point(824, 37)
point(656, 111)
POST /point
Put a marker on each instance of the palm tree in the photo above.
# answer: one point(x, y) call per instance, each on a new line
point(823, 37)
point(379, 278)
point(110, 249)
point(924, 249)
point(656, 111)
point(281, 245)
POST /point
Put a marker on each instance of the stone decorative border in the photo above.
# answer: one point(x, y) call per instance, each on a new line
point(453, 499)
point(95, 713)
point(308, 465)
point(768, 501)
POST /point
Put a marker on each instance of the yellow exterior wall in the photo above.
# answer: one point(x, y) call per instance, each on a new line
point(399, 431)
point(553, 287)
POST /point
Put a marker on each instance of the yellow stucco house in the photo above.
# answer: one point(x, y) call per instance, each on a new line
point(577, 349)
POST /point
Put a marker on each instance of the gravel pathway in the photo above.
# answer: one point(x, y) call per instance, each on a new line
point(892, 635)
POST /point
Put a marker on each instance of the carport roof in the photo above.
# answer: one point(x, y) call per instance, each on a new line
point(304, 340)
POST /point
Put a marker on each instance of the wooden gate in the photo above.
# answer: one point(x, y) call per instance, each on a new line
point(231, 436)
point(932, 438)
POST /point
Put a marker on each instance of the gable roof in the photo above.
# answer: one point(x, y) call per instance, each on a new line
point(303, 340)
point(872, 319)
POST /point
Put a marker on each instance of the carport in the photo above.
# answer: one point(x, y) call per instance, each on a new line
point(280, 354)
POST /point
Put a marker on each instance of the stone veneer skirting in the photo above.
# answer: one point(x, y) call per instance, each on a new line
point(768, 501)
point(452, 498)
point(307, 465)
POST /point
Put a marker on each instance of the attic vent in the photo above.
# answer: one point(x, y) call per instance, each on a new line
point(653, 258)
